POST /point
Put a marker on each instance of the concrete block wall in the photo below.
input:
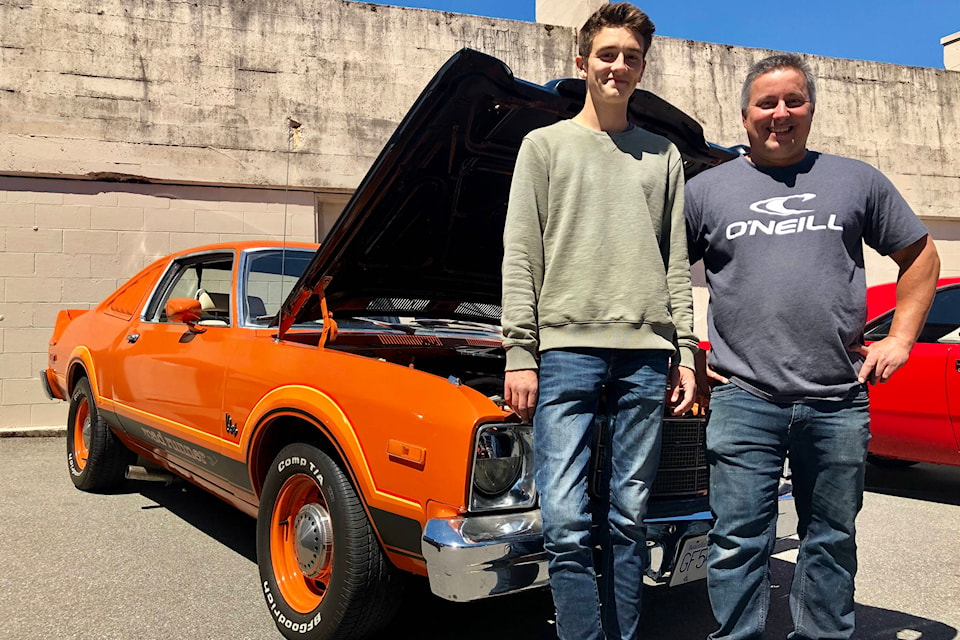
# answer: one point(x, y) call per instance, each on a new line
point(70, 243)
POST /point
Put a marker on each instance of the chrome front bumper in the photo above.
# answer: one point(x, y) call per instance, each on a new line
point(473, 557)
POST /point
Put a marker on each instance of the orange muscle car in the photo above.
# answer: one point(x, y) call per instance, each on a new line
point(348, 396)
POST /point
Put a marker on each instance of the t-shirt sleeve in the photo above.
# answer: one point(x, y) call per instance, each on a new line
point(693, 216)
point(889, 224)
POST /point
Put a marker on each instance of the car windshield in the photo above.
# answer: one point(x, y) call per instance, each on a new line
point(271, 274)
point(942, 324)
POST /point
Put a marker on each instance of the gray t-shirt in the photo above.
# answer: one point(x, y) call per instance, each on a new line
point(783, 257)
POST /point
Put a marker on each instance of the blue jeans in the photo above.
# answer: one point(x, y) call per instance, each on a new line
point(747, 441)
point(571, 384)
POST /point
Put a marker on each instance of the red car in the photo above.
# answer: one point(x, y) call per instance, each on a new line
point(915, 417)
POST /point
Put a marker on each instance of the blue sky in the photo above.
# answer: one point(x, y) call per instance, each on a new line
point(903, 32)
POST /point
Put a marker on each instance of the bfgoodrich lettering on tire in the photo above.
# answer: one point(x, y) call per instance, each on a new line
point(95, 457)
point(321, 568)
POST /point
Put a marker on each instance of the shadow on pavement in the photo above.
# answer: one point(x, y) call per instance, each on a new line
point(929, 482)
point(680, 613)
point(219, 520)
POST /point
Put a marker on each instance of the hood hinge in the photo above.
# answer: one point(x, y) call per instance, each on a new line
point(329, 332)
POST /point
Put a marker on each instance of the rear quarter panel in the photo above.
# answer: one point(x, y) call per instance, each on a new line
point(913, 416)
point(85, 338)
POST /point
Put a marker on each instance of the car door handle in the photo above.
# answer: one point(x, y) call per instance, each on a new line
point(133, 337)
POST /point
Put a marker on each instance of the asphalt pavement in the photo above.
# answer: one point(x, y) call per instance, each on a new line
point(154, 562)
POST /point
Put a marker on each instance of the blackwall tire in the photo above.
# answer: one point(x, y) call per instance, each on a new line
point(889, 463)
point(96, 459)
point(322, 571)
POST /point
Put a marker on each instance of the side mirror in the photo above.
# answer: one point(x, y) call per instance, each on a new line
point(186, 310)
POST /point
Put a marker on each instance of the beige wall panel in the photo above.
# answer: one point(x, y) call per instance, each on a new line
point(951, 51)
point(16, 365)
point(571, 13)
point(18, 415)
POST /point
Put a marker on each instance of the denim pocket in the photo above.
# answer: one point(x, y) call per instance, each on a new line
point(723, 389)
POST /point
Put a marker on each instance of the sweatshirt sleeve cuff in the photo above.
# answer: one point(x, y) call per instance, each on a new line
point(519, 358)
point(684, 357)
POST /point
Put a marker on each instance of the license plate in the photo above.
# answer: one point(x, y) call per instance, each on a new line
point(691, 561)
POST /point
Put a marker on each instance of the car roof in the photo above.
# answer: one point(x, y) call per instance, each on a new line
point(881, 298)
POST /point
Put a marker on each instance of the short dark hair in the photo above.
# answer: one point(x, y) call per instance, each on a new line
point(772, 63)
point(616, 14)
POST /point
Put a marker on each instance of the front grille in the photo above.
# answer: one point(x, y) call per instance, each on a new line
point(673, 458)
point(679, 431)
point(672, 483)
point(683, 459)
point(683, 471)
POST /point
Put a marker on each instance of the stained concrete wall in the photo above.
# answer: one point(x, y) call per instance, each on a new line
point(903, 120)
point(197, 97)
point(201, 91)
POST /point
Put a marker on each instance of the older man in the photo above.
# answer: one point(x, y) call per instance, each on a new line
point(780, 233)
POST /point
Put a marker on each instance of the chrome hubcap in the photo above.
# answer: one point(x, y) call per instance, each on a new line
point(314, 539)
point(85, 432)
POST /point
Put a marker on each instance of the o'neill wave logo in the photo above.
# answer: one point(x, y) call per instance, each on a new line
point(778, 207)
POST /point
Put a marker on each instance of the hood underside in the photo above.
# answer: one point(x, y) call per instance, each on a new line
point(423, 233)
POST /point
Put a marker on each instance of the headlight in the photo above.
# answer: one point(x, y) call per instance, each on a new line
point(503, 468)
point(499, 461)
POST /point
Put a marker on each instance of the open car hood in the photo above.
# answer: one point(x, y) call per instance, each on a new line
point(423, 233)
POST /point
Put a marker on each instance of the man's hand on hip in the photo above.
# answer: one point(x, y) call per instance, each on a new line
point(882, 359)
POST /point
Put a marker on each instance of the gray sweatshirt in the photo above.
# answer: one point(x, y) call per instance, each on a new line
point(595, 246)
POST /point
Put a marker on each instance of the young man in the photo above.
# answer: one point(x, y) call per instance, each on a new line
point(780, 232)
point(597, 299)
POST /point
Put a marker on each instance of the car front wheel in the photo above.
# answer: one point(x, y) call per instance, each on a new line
point(322, 571)
point(97, 460)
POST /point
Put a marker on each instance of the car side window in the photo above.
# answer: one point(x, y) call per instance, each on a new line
point(206, 278)
point(270, 276)
point(942, 325)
